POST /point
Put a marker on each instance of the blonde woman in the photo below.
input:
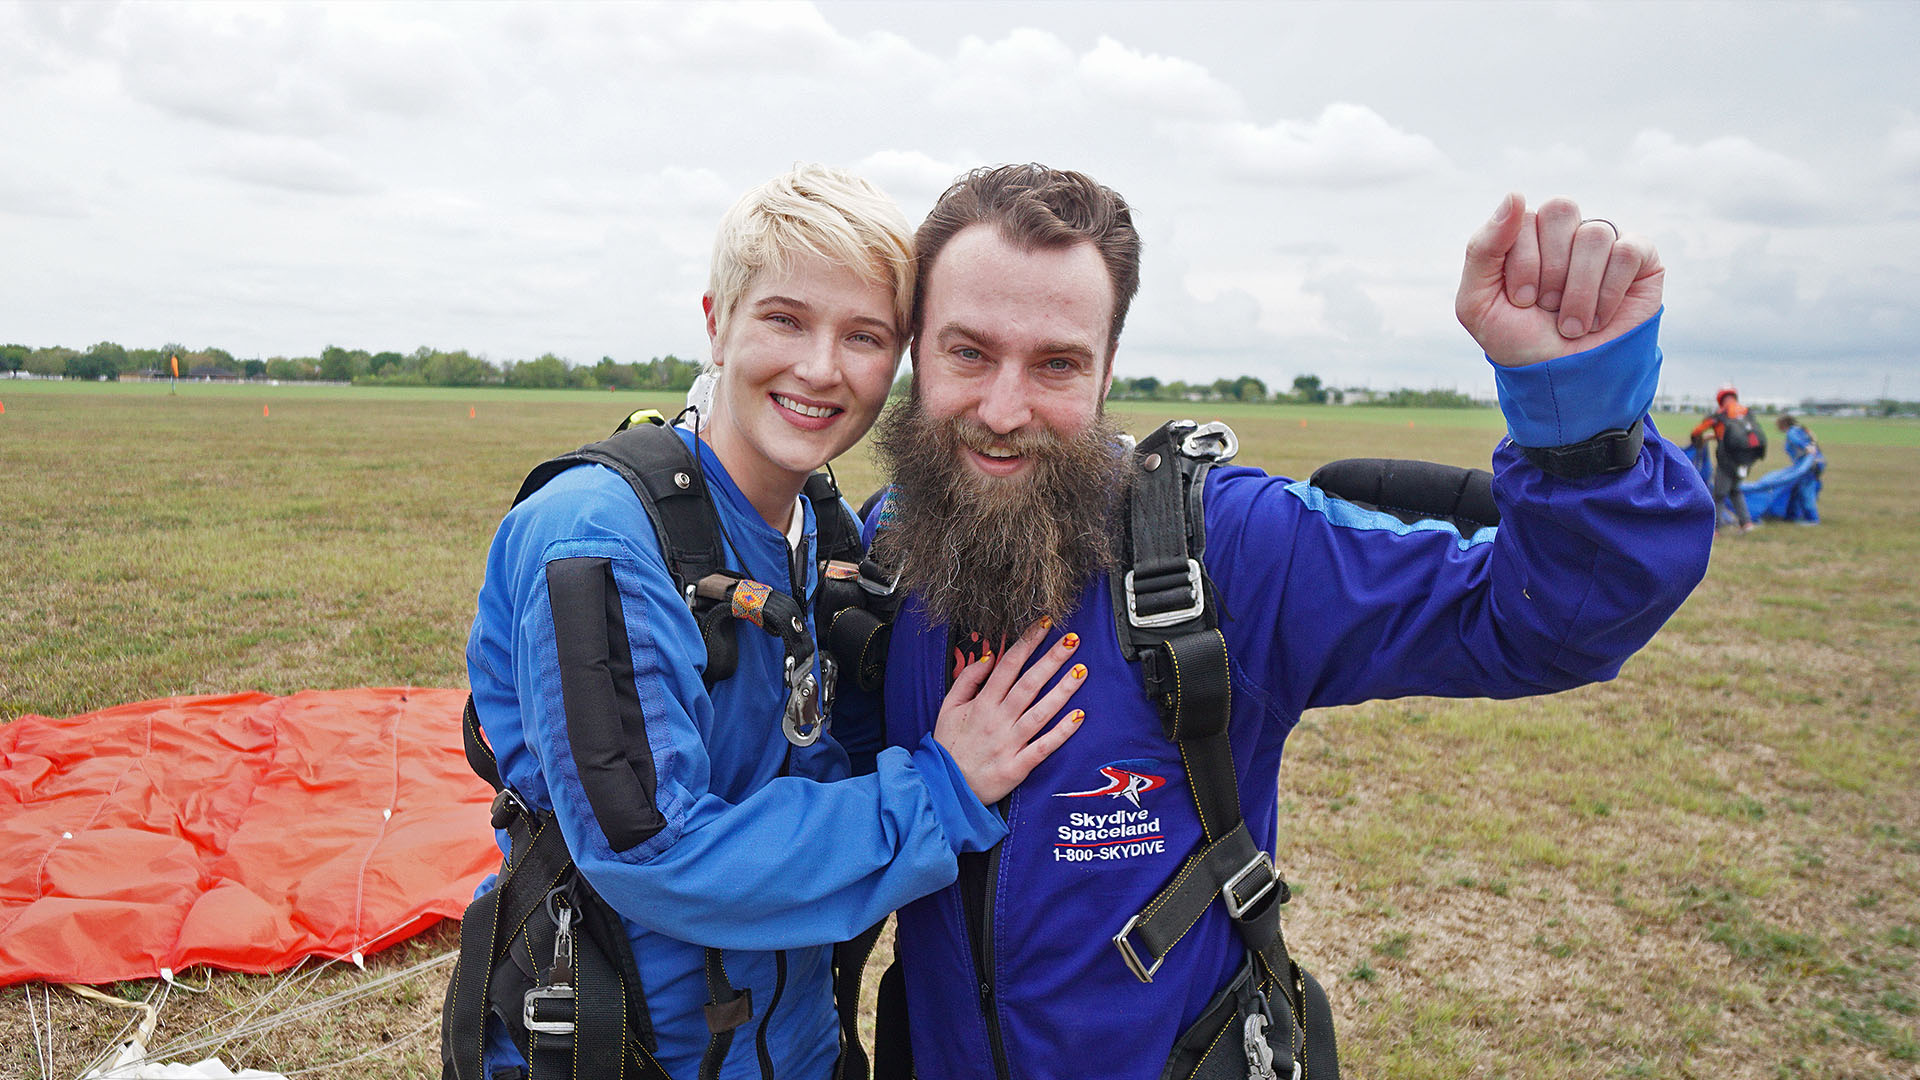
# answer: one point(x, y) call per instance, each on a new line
point(726, 858)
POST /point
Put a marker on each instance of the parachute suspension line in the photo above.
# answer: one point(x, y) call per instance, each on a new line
point(41, 1051)
point(305, 1011)
point(430, 1024)
point(296, 988)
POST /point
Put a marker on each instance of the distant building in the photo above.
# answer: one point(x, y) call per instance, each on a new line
point(1839, 407)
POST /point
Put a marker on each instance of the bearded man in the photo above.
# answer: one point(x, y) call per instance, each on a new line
point(1005, 479)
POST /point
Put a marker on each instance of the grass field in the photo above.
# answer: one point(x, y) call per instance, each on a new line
point(1707, 868)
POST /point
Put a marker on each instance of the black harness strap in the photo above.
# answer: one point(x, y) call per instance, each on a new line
point(727, 1009)
point(661, 470)
point(857, 600)
point(1168, 616)
point(849, 965)
point(583, 1006)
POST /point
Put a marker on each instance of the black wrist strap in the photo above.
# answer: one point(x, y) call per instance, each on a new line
point(1609, 451)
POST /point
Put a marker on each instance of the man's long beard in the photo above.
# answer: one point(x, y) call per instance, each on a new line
point(993, 555)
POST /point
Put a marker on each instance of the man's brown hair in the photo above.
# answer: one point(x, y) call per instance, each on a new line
point(1036, 207)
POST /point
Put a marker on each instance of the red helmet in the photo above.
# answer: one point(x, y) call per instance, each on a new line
point(1727, 391)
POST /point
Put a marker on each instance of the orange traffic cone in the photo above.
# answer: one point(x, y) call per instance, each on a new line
point(3, 408)
point(263, 410)
point(1303, 423)
point(469, 412)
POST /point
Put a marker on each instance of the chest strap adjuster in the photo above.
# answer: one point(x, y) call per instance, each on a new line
point(533, 1011)
point(1269, 879)
point(1141, 969)
point(1156, 588)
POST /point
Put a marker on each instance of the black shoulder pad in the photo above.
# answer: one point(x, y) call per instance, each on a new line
point(668, 483)
point(1413, 490)
point(605, 728)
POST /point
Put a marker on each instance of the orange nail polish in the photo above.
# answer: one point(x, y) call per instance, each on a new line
point(1071, 641)
point(1076, 716)
point(1079, 671)
point(1046, 622)
point(986, 656)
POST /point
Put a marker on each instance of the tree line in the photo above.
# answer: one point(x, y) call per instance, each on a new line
point(428, 366)
point(1307, 390)
point(424, 366)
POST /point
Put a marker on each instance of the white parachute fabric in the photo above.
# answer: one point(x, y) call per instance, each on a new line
point(131, 1063)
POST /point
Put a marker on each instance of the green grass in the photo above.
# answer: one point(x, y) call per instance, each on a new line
point(1709, 867)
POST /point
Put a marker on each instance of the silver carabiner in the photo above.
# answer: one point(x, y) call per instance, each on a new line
point(1253, 1040)
point(1213, 440)
point(801, 721)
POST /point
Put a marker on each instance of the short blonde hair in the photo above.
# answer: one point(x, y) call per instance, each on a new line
point(822, 211)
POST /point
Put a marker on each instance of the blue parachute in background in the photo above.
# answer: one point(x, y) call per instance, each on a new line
point(1789, 494)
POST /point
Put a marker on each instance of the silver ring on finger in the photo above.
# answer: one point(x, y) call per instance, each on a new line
point(1603, 221)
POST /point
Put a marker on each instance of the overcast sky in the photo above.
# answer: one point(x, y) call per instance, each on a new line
point(517, 179)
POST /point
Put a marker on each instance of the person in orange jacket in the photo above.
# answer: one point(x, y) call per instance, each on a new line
point(1738, 444)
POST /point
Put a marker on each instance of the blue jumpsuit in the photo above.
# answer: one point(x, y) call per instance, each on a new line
point(1803, 503)
point(1323, 604)
point(761, 850)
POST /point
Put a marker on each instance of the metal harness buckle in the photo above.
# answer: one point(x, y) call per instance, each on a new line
point(1168, 618)
point(1229, 895)
point(1142, 971)
point(547, 993)
point(560, 908)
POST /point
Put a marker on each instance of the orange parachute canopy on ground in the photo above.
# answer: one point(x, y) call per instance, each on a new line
point(242, 831)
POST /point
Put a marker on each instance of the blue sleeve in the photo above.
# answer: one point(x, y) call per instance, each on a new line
point(1329, 604)
point(1573, 398)
point(793, 862)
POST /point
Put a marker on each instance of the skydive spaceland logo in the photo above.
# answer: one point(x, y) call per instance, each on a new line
point(1119, 834)
point(1122, 783)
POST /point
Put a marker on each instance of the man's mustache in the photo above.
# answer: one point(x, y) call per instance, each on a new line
point(1032, 440)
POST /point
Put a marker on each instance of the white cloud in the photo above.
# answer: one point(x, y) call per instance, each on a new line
point(1025, 71)
point(292, 164)
point(1149, 83)
point(1733, 178)
point(1546, 166)
point(1347, 144)
point(1903, 150)
point(1345, 304)
point(30, 190)
point(757, 34)
point(909, 176)
point(282, 69)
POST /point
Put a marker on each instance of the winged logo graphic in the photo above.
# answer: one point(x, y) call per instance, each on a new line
point(1123, 782)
